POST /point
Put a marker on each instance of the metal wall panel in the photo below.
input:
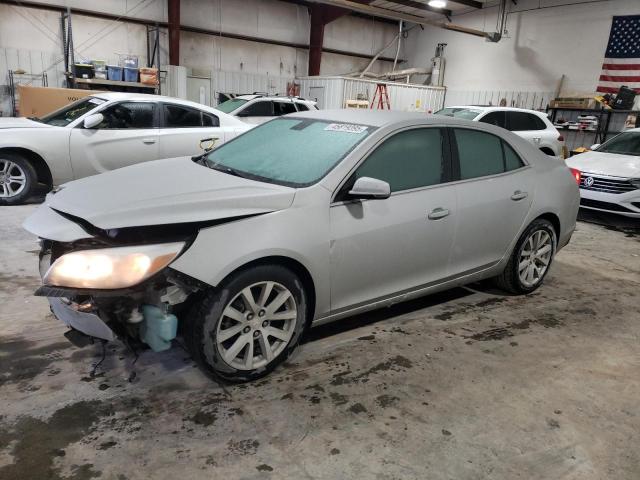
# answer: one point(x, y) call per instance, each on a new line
point(535, 100)
point(239, 83)
point(327, 91)
point(402, 96)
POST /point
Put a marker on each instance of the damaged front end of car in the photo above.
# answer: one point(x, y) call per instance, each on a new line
point(114, 284)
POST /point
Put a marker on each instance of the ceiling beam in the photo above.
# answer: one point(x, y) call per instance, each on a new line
point(383, 12)
point(469, 3)
point(308, 4)
point(420, 6)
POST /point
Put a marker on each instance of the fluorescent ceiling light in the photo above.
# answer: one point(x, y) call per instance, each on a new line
point(438, 3)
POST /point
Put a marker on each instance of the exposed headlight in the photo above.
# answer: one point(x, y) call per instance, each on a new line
point(111, 268)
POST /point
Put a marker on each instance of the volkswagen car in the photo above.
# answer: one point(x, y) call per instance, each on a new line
point(609, 175)
point(306, 219)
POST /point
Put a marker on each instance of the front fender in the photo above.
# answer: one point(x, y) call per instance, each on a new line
point(300, 234)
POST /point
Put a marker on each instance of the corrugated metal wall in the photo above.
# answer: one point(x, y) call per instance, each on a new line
point(535, 100)
point(238, 82)
point(332, 92)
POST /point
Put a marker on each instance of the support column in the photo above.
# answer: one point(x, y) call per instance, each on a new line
point(174, 32)
point(316, 38)
point(322, 14)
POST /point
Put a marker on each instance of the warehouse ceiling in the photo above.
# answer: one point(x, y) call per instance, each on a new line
point(421, 7)
point(420, 12)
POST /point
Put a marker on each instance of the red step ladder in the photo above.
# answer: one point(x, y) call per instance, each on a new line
point(382, 95)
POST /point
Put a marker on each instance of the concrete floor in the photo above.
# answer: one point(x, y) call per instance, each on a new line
point(468, 384)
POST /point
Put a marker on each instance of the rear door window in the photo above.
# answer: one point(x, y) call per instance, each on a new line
point(523, 121)
point(512, 160)
point(210, 120)
point(283, 108)
point(263, 108)
point(302, 107)
point(482, 154)
point(177, 116)
point(495, 118)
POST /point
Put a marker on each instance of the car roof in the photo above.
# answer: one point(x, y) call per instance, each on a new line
point(149, 97)
point(379, 118)
point(115, 96)
point(273, 97)
point(490, 108)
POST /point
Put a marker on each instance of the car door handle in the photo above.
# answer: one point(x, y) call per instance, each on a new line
point(438, 213)
point(518, 195)
point(149, 141)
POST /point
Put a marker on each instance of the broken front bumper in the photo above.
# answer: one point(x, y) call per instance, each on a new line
point(88, 323)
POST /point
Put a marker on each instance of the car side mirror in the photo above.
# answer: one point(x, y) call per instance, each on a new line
point(370, 188)
point(594, 146)
point(92, 121)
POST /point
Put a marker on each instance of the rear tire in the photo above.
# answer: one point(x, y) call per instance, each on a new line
point(18, 179)
point(531, 259)
point(245, 328)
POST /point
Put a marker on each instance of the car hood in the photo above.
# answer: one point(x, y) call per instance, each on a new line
point(164, 192)
point(20, 122)
point(612, 164)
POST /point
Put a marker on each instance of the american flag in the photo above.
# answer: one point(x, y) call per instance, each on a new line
point(622, 59)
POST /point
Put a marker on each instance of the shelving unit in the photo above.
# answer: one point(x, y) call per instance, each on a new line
point(101, 84)
point(610, 122)
point(16, 79)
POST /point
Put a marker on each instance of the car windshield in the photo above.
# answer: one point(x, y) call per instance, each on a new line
point(627, 143)
point(67, 114)
point(230, 105)
point(456, 112)
point(288, 151)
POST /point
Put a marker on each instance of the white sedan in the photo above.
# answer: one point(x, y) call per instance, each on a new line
point(535, 127)
point(103, 132)
point(609, 175)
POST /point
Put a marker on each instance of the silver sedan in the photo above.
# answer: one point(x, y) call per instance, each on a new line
point(303, 220)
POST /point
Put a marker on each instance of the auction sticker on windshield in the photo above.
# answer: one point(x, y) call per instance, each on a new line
point(346, 127)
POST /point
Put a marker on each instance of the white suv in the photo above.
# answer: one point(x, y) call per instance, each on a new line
point(531, 125)
point(258, 108)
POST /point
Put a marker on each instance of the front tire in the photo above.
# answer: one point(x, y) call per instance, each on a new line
point(531, 259)
point(244, 329)
point(18, 179)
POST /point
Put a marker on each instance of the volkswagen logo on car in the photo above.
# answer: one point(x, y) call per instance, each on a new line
point(588, 181)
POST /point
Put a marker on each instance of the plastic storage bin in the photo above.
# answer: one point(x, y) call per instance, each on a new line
point(129, 61)
point(114, 72)
point(149, 76)
point(130, 74)
point(84, 70)
point(99, 68)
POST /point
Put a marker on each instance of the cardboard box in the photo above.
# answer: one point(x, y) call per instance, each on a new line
point(38, 101)
point(578, 102)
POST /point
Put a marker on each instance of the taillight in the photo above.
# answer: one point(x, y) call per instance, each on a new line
point(576, 174)
point(560, 138)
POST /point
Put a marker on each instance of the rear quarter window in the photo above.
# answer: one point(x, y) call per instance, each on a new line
point(523, 121)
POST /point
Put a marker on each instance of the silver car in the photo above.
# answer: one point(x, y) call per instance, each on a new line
point(303, 220)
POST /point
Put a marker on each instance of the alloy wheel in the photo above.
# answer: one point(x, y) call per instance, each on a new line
point(13, 178)
point(256, 325)
point(535, 257)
